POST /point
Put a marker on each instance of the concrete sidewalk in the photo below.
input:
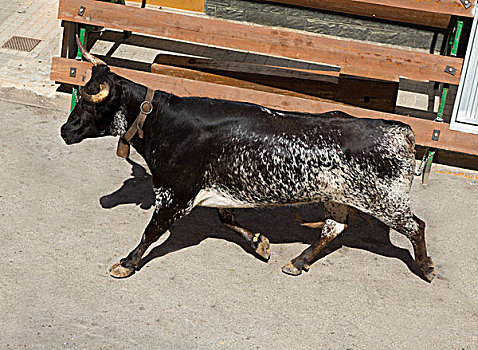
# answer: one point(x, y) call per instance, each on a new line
point(25, 75)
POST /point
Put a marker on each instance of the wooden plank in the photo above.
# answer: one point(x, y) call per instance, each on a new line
point(424, 12)
point(448, 140)
point(219, 79)
point(189, 5)
point(65, 38)
point(376, 95)
point(244, 67)
point(373, 61)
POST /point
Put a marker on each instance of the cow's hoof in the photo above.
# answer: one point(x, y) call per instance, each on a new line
point(428, 269)
point(290, 269)
point(120, 271)
point(261, 245)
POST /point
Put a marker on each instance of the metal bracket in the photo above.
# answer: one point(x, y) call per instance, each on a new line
point(450, 70)
point(466, 3)
point(419, 171)
point(436, 135)
point(81, 12)
point(73, 72)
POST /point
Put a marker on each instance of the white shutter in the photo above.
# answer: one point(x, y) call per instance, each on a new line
point(465, 110)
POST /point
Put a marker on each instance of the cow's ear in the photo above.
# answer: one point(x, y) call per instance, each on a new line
point(122, 90)
point(100, 70)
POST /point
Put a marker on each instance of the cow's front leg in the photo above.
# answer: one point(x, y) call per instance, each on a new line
point(168, 210)
point(257, 241)
point(127, 266)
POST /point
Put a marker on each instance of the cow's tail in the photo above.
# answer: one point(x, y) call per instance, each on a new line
point(409, 149)
point(410, 137)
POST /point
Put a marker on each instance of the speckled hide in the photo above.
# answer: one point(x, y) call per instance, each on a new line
point(224, 154)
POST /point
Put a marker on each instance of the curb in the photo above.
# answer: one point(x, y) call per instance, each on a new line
point(55, 100)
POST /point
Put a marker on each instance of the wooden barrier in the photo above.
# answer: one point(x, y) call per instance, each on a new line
point(348, 58)
point(180, 83)
point(355, 58)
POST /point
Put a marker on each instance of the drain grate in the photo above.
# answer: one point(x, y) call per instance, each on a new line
point(21, 43)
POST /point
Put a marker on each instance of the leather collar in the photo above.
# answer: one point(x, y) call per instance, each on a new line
point(137, 127)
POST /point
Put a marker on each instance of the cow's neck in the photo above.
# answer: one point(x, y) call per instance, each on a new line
point(134, 96)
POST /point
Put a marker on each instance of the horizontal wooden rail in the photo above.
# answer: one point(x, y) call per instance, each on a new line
point(251, 68)
point(222, 80)
point(430, 13)
point(424, 129)
point(189, 5)
point(355, 58)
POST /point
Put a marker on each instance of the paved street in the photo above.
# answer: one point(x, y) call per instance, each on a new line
point(67, 213)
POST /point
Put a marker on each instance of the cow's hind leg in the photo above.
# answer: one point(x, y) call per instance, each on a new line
point(414, 228)
point(334, 225)
point(257, 241)
point(420, 249)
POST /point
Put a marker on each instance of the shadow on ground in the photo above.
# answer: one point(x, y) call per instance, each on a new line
point(277, 224)
point(135, 190)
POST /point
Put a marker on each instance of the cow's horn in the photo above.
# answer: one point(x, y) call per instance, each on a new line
point(92, 59)
point(99, 97)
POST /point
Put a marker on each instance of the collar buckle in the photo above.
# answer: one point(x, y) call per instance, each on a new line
point(150, 104)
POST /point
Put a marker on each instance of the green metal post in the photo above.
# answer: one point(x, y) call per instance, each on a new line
point(452, 47)
point(441, 108)
point(74, 93)
point(459, 28)
point(428, 166)
point(453, 43)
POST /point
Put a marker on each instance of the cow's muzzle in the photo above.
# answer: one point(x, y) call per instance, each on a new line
point(70, 136)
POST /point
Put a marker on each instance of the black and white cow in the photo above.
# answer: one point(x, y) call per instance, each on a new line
point(225, 154)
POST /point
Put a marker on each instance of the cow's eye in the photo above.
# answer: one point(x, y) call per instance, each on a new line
point(91, 108)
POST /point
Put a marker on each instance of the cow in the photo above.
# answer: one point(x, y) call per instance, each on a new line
point(226, 154)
